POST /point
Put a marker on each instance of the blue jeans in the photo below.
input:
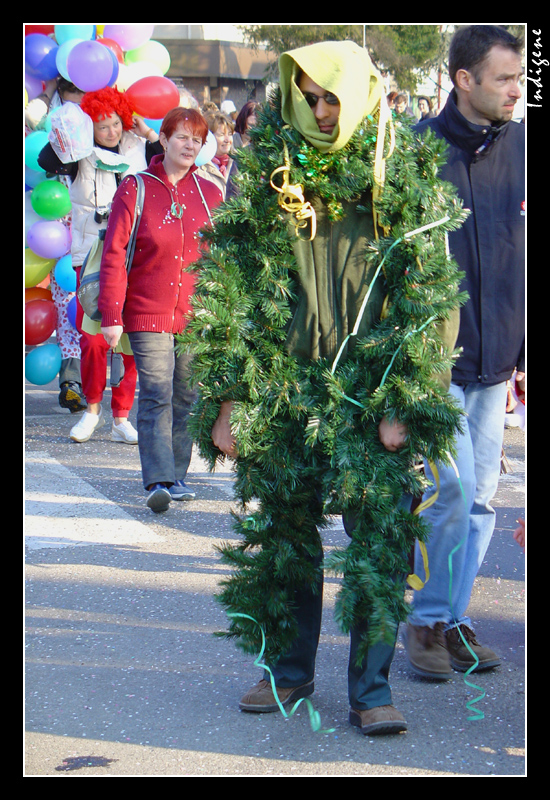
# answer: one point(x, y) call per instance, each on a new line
point(165, 401)
point(464, 521)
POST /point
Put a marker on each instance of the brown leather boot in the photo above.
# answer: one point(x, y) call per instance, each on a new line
point(262, 700)
point(379, 720)
point(427, 651)
point(460, 655)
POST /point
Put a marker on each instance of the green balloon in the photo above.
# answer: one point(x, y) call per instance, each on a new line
point(51, 200)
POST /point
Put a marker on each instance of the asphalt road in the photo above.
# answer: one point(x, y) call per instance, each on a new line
point(123, 673)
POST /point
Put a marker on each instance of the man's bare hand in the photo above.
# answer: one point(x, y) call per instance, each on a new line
point(393, 435)
point(222, 435)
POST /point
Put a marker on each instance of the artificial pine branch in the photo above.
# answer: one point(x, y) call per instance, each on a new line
point(307, 431)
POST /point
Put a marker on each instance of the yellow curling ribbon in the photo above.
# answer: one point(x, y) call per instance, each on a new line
point(413, 580)
point(292, 199)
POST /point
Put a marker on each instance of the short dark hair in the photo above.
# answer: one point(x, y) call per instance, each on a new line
point(471, 44)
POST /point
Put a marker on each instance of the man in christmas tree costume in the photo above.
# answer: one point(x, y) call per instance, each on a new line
point(325, 316)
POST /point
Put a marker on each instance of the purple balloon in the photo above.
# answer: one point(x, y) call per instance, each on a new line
point(40, 53)
point(130, 36)
point(49, 239)
point(33, 86)
point(90, 66)
point(116, 68)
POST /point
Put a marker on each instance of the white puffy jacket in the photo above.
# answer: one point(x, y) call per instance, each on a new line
point(95, 186)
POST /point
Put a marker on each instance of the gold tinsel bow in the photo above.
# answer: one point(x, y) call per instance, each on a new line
point(291, 199)
point(291, 196)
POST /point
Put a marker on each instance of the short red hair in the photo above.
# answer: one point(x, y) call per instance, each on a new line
point(188, 116)
point(106, 102)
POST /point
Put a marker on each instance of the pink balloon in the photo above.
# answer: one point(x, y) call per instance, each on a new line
point(153, 96)
point(49, 239)
point(129, 37)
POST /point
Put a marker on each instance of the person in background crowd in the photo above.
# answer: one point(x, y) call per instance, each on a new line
point(401, 108)
point(425, 108)
point(246, 119)
point(220, 168)
point(228, 108)
point(56, 93)
point(122, 144)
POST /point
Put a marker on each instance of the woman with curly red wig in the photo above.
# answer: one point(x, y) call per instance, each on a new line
point(122, 145)
point(106, 102)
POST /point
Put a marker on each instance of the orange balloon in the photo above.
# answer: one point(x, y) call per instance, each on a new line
point(115, 48)
point(37, 293)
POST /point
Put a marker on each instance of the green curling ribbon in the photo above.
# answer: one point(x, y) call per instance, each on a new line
point(477, 715)
point(314, 716)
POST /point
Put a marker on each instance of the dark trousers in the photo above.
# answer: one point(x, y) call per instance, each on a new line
point(165, 401)
point(368, 683)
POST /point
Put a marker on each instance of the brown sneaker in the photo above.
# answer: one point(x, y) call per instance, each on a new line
point(262, 700)
point(379, 720)
point(427, 651)
point(461, 657)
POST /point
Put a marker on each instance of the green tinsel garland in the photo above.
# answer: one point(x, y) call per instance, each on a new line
point(304, 425)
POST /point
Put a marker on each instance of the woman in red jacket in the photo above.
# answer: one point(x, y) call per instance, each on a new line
point(151, 304)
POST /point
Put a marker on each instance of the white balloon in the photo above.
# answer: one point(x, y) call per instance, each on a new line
point(130, 73)
point(207, 151)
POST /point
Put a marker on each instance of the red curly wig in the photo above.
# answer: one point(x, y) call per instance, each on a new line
point(106, 102)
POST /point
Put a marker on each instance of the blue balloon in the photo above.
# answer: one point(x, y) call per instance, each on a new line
point(42, 364)
point(63, 54)
point(63, 33)
point(71, 311)
point(154, 124)
point(40, 54)
point(65, 275)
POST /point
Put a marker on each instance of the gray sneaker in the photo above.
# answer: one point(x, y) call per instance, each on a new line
point(179, 491)
point(158, 498)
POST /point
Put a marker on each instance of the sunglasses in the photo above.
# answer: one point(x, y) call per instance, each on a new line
point(313, 99)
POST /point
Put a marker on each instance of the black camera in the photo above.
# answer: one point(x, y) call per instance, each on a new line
point(101, 214)
point(117, 369)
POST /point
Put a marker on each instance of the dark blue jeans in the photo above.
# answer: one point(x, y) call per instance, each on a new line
point(368, 683)
point(165, 401)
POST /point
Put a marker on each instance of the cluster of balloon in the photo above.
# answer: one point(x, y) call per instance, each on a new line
point(48, 248)
point(92, 57)
point(95, 56)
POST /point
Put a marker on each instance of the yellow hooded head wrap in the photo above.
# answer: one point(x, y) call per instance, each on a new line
point(345, 69)
point(342, 68)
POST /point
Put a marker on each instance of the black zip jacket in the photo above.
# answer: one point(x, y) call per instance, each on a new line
point(487, 166)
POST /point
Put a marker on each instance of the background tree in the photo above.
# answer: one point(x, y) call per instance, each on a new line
point(398, 49)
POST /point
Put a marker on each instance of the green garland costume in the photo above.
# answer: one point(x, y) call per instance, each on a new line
point(307, 404)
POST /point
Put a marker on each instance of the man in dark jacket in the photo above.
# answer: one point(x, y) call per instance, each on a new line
point(486, 163)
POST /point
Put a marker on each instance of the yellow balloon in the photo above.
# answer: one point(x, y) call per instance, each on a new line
point(36, 268)
point(151, 52)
